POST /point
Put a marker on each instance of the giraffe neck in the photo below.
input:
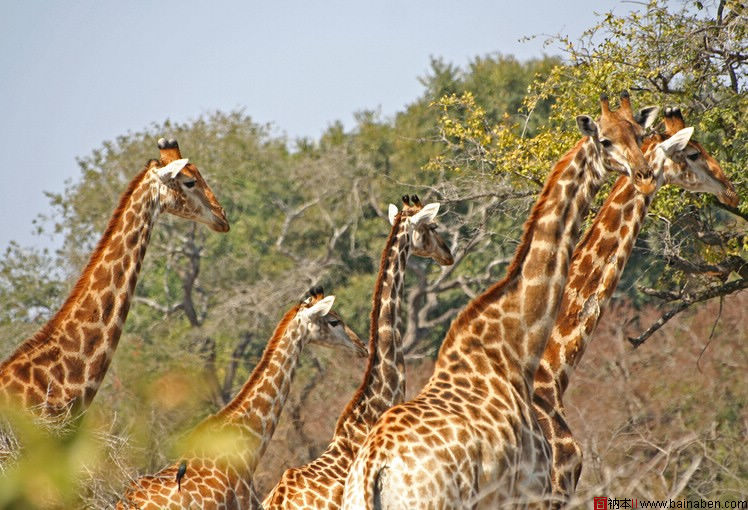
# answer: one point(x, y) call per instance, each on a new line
point(506, 328)
point(384, 380)
point(71, 353)
point(254, 413)
point(596, 267)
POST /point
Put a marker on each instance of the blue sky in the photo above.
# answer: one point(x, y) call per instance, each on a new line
point(74, 74)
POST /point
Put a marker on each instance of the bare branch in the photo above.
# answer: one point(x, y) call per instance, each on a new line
point(508, 195)
point(688, 300)
point(291, 215)
point(152, 303)
point(722, 270)
point(298, 406)
point(237, 355)
point(665, 295)
point(189, 273)
point(207, 351)
point(733, 210)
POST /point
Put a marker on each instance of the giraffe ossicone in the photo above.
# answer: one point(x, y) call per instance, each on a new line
point(596, 267)
point(58, 370)
point(470, 437)
point(319, 484)
point(222, 452)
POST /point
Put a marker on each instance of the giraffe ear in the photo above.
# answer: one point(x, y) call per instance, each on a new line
point(391, 213)
point(646, 116)
point(587, 126)
point(170, 171)
point(428, 213)
point(321, 307)
point(677, 142)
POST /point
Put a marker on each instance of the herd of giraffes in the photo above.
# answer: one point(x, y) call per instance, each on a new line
point(488, 428)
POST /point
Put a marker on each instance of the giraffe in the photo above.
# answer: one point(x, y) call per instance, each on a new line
point(217, 471)
point(596, 267)
point(57, 371)
point(469, 439)
point(319, 484)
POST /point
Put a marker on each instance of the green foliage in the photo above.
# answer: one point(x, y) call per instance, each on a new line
point(655, 54)
point(481, 140)
point(29, 285)
point(47, 474)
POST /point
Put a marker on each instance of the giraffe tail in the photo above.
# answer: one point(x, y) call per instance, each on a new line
point(374, 474)
point(377, 495)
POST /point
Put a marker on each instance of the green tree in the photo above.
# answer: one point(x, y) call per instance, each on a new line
point(694, 57)
point(30, 287)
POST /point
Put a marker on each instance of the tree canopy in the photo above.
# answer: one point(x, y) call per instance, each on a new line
point(480, 140)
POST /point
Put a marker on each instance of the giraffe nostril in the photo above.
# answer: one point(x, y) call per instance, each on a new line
point(644, 182)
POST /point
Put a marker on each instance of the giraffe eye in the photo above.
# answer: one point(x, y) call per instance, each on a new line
point(334, 322)
point(606, 143)
point(189, 184)
point(694, 156)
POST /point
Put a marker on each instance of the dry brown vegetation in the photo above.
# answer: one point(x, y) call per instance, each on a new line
point(669, 419)
point(660, 421)
point(666, 420)
point(663, 420)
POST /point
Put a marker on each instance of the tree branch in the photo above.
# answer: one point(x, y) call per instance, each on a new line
point(236, 356)
point(722, 270)
point(733, 210)
point(165, 309)
point(296, 409)
point(291, 215)
point(688, 300)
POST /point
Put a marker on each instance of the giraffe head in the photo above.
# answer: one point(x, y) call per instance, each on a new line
point(324, 325)
point(184, 192)
point(425, 242)
point(618, 135)
point(689, 165)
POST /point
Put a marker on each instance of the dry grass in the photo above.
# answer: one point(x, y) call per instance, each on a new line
point(662, 421)
point(669, 419)
point(652, 422)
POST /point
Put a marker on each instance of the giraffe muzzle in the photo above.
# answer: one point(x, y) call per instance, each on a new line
point(729, 197)
point(446, 260)
point(644, 182)
point(220, 223)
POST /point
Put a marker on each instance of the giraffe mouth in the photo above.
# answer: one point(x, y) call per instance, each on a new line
point(729, 197)
point(360, 348)
point(221, 226)
point(220, 223)
point(644, 182)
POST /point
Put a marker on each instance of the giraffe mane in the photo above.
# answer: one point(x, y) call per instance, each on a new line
point(373, 327)
point(262, 365)
point(42, 334)
point(620, 182)
point(473, 309)
point(654, 138)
